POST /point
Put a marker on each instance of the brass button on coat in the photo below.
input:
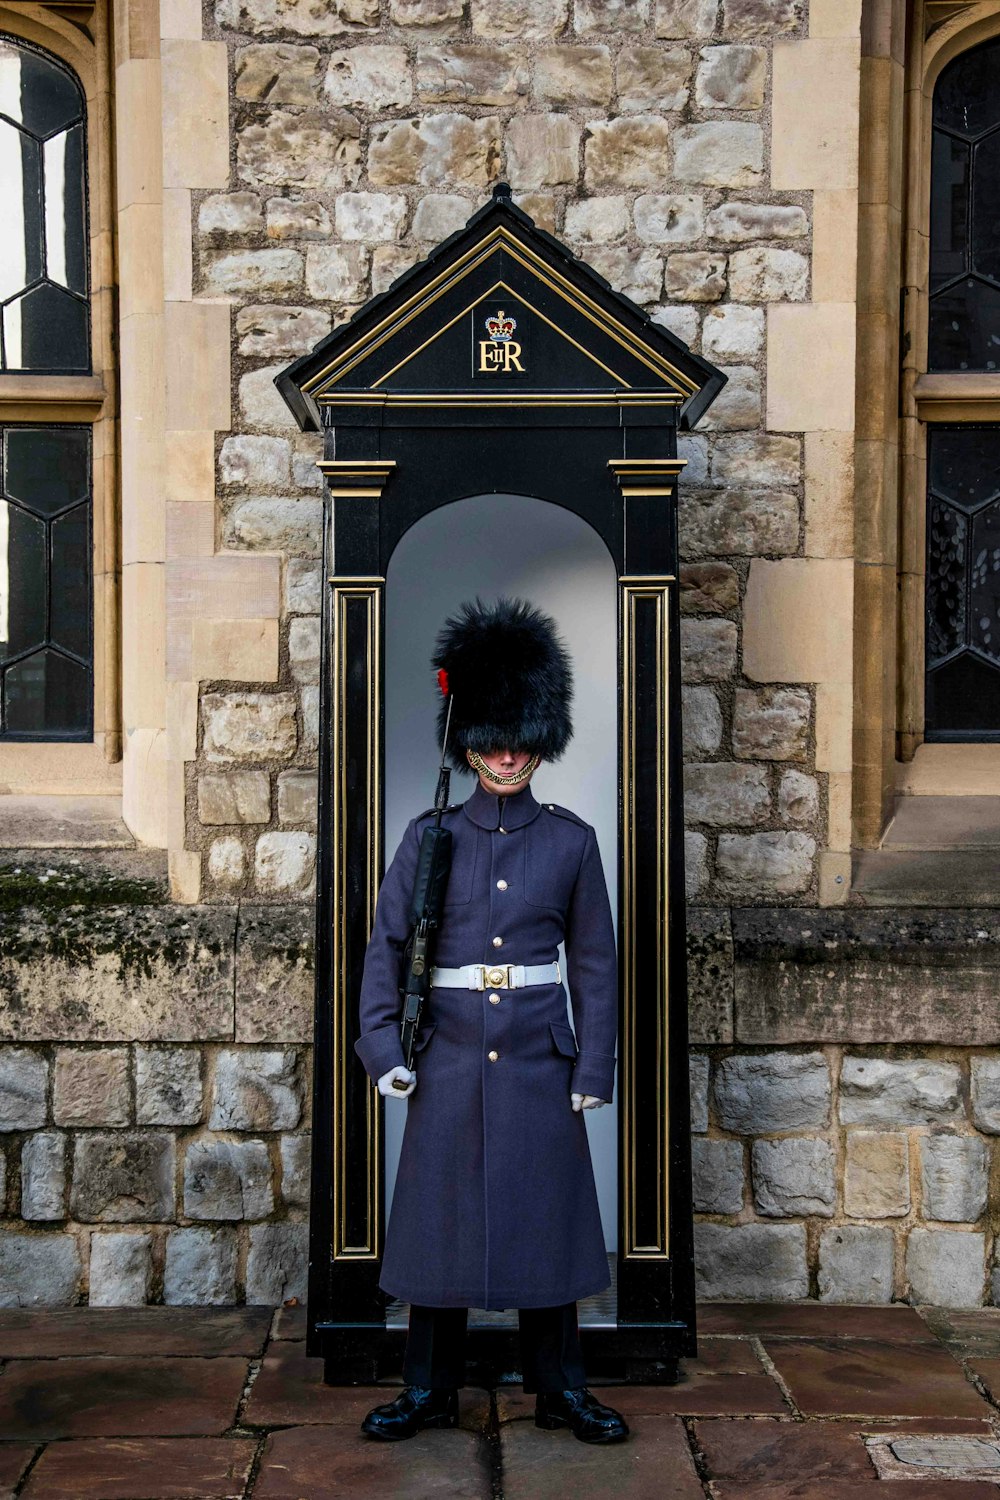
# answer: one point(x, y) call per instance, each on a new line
point(494, 999)
point(498, 942)
point(501, 885)
point(494, 1056)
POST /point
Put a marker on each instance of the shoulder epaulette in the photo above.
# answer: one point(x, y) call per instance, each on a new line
point(564, 812)
point(452, 807)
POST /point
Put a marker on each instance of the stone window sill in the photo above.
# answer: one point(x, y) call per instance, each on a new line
point(942, 847)
point(63, 822)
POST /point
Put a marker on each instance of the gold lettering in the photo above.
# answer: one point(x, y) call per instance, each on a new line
point(499, 358)
point(490, 357)
point(512, 351)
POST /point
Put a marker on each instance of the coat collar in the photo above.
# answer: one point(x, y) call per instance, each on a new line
point(491, 813)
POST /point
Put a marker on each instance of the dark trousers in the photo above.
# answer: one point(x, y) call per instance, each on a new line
point(551, 1357)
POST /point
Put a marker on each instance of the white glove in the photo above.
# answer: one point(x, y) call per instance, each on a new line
point(386, 1089)
point(586, 1101)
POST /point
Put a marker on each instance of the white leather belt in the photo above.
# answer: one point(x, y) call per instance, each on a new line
point(495, 976)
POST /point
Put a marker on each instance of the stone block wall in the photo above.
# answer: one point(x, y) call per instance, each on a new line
point(643, 132)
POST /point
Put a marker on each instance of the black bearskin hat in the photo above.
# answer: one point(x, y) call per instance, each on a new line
point(511, 680)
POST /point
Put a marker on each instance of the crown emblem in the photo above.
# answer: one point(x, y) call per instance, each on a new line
point(500, 327)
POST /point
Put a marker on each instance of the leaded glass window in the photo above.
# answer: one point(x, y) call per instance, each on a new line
point(962, 697)
point(44, 306)
point(46, 609)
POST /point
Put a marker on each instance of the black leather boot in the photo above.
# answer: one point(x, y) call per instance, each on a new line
point(414, 1408)
point(583, 1413)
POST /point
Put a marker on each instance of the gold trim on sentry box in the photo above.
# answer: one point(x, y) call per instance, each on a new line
point(369, 593)
point(500, 239)
point(363, 479)
point(529, 398)
point(501, 286)
point(656, 592)
point(646, 476)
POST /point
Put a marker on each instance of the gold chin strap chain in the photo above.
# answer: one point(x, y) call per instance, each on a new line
point(478, 764)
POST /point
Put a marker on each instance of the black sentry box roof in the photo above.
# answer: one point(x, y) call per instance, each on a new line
point(581, 342)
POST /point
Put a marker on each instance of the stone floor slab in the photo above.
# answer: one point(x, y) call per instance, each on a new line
point(872, 1380)
point(289, 1323)
point(42, 1399)
point(289, 1392)
point(55, 1333)
point(14, 1459)
point(331, 1463)
point(143, 1469)
point(652, 1464)
point(850, 1489)
point(765, 1450)
point(967, 1332)
point(809, 1320)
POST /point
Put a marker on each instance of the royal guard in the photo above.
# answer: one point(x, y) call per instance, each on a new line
point(495, 1205)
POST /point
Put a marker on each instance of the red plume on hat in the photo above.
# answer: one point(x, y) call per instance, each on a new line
point(510, 680)
point(443, 682)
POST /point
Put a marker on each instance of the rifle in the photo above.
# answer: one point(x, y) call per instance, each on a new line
point(426, 907)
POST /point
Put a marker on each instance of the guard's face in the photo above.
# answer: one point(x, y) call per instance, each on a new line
point(501, 767)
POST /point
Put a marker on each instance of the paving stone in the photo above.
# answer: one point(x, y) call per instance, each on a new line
point(249, 726)
point(760, 864)
point(760, 1262)
point(794, 1177)
point(123, 1178)
point(717, 1171)
point(278, 1263)
point(722, 153)
point(653, 78)
point(702, 721)
point(988, 1371)
point(117, 1397)
point(813, 1320)
point(870, 1380)
point(739, 523)
point(954, 1172)
point(289, 1323)
point(727, 1379)
point(200, 1267)
point(176, 1468)
point(968, 1333)
point(876, 1175)
point(721, 794)
point(847, 1489)
point(14, 1459)
point(43, 1176)
point(23, 1083)
point(629, 151)
point(290, 1389)
point(944, 1267)
point(227, 1180)
point(38, 1270)
point(132, 1332)
point(771, 723)
point(762, 1093)
point(855, 1264)
point(121, 1269)
point(535, 1468)
point(327, 1463)
point(882, 1091)
point(758, 1452)
point(277, 73)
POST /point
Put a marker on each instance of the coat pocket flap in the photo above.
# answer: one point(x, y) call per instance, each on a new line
point(424, 1034)
point(562, 1036)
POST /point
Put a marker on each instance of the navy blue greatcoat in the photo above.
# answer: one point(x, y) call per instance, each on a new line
point(495, 1204)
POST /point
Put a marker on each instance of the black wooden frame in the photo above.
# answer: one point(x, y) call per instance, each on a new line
point(394, 452)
